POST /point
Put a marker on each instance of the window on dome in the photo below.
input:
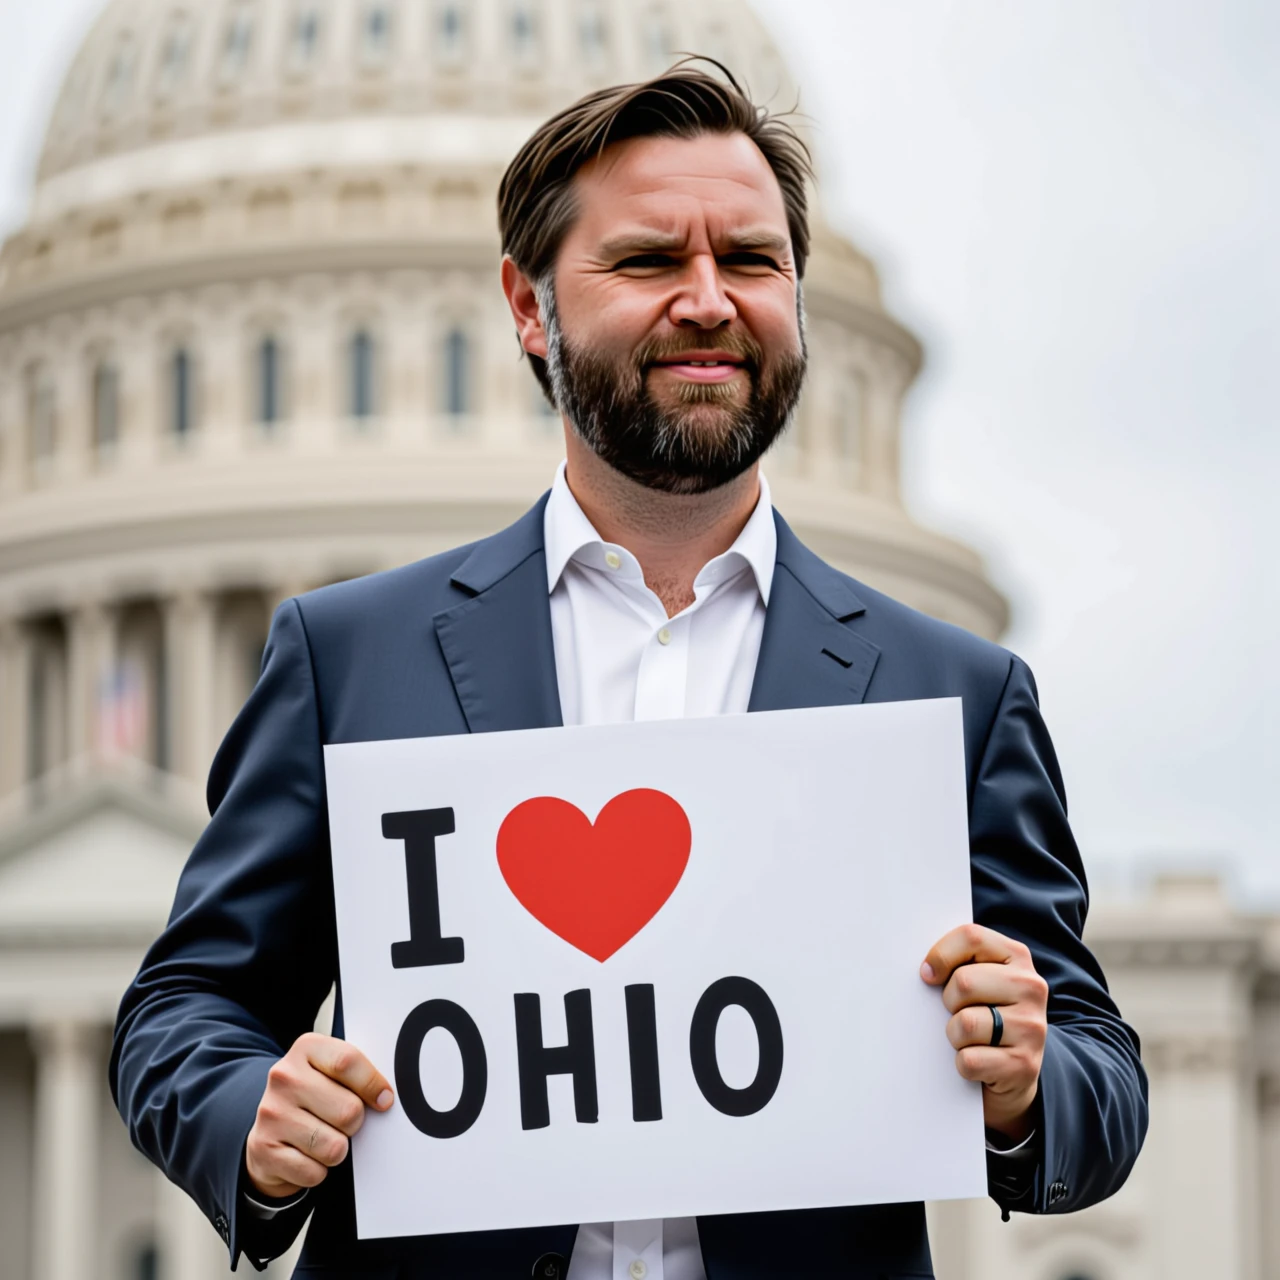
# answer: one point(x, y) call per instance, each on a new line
point(361, 399)
point(657, 42)
point(457, 374)
point(42, 417)
point(450, 32)
point(850, 411)
point(174, 54)
point(269, 391)
point(592, 33)
point(237, 43)
point(304, 38)
point(106, 409)
point(375, 34)
point(119, 81)
point(524, 32)
point(181, 415)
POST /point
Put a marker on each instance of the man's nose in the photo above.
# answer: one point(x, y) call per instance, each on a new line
point(701, 300)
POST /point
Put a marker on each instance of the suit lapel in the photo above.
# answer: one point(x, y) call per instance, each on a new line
point(809, 657)
point(498, 643)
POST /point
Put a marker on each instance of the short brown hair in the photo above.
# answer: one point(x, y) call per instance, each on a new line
point(535, 198)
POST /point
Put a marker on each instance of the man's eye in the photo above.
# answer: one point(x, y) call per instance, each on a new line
point(746, 259)
point(645, 260)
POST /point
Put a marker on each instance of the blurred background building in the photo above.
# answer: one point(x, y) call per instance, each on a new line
point(252, 341)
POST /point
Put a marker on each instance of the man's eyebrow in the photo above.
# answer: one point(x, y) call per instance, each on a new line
point(761, 239)
point(626, 243)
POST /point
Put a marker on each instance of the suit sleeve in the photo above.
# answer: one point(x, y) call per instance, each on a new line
point(246, 958)
point(1029, 883)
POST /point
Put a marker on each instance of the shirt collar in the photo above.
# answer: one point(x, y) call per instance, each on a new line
point(569, 535)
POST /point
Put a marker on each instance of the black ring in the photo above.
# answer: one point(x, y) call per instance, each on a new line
point(997, 1026)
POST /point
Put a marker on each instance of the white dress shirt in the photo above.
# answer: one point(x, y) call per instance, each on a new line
point(619, 657)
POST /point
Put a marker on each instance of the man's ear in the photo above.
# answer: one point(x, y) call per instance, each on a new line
point(523, 301)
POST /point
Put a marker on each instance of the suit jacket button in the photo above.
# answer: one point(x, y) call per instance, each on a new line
point(551, 1266)
point(1057, 1192)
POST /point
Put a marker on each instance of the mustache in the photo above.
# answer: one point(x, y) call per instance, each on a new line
point(729, 341)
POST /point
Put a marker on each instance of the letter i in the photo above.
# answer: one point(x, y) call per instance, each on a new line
point(642, 1041)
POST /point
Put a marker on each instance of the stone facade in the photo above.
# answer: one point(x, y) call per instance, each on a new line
point(251, 341)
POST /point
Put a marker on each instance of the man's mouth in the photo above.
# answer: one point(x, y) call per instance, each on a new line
point(704, 369)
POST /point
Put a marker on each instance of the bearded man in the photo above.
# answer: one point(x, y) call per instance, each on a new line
point(655, 238)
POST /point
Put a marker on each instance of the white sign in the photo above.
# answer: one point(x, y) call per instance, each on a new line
point(655, 970)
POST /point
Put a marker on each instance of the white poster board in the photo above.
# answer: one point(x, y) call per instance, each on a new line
point(657, 969)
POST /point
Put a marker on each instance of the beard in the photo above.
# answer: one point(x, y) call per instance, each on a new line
point(709, 436)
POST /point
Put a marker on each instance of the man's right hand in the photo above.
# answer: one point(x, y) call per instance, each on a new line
point(313, 1104)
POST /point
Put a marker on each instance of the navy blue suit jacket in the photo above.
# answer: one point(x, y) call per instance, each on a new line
point(461, 643)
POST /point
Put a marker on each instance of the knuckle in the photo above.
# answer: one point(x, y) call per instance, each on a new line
point(334, 1150)
point(344, 1058)
point(969, 1019)
point(963, 981)
point(350, 1113)
point(971, 935)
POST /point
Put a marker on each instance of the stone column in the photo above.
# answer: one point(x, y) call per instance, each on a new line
point(67, 1170)
point(189, 1247)
point(91, 645)
point(189, 620)
point(15, 700)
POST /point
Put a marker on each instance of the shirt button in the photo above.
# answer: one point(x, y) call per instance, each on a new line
point(638, 1270)
point(613, 559)
point(664, 637)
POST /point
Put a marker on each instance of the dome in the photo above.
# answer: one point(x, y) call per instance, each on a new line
point(252, 340)
point(153, 72)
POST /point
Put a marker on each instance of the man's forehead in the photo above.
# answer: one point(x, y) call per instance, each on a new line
point(656, 185)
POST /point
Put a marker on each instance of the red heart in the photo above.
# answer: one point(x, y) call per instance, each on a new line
point(595, 886)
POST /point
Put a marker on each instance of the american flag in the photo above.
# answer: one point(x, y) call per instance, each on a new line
point(123, 712)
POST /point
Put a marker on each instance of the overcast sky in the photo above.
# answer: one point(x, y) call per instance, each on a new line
point(1075, 204)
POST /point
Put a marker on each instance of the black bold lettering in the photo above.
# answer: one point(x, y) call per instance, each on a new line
point(577, 1058)
point(702, 1046)
point(642, 1041)
point(418, 828)
point(454, 1019)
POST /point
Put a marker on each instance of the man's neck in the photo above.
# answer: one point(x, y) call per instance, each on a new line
point(672, 535)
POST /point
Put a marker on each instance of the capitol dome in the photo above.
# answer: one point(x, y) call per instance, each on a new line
point(252, 340)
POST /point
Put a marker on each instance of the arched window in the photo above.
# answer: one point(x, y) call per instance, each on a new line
point(269, 397)
point(237, 42)
point(360, 375)
point(42, 416)
point(304, 37)
point(106, 408)
point(181, 417)
point(850, 410)
point(450, 32)
point(524, 32)
point(457, 374)
point(174, 55)
point(115, 89)
point(656, 41)
point(591, 32)
point(375, 33)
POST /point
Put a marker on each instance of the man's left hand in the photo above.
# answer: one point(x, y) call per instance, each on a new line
point(977, 968)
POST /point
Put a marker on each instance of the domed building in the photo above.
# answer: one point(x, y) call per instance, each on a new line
point(252, 341)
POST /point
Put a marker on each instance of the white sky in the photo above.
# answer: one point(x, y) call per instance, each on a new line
point(1075, 204)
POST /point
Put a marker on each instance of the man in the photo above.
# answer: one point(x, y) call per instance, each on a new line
point(655, 239)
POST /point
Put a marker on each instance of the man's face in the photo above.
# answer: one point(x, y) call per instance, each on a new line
point(673, 333)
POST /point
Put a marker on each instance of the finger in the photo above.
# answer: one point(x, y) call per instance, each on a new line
point(976, 1025)
point(993, 984)
point(331, 1103)
point(969, 944)
point(345, 1063)
point(292, 1167)
point(314, 1138)
point(993, 1067)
